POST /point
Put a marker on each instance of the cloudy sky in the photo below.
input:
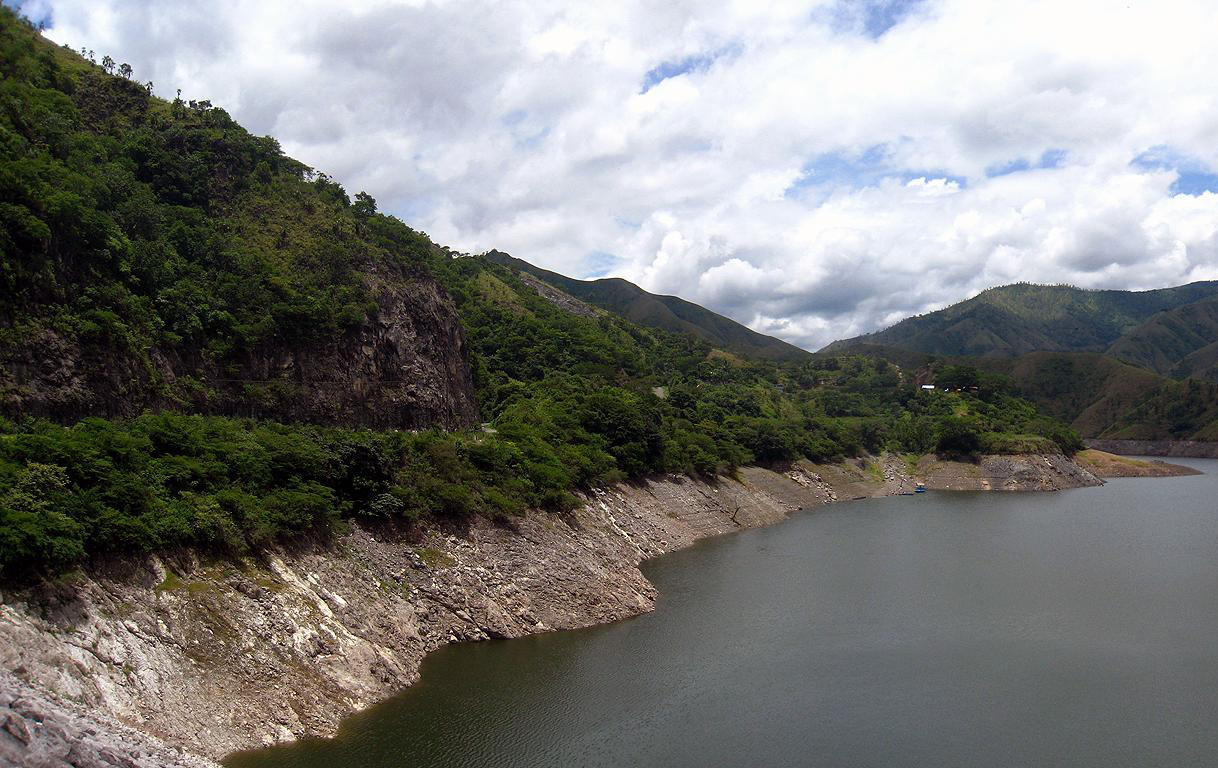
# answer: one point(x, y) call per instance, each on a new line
point(812, 169)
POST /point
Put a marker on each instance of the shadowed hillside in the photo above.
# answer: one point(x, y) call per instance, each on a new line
point(1181, 342)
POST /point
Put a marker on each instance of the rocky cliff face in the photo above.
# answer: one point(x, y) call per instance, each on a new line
point(405, 367)
point(217, 656)
point(40, 730)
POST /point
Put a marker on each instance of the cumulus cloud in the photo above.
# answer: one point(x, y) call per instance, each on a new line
point(812, 169)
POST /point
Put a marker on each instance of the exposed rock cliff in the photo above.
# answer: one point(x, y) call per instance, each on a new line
point(221, 656)
point(406, 366)
point(39, 730)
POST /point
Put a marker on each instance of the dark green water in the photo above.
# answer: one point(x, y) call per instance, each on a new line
point(950, 629)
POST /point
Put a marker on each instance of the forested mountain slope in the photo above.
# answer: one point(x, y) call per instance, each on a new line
point(1102, 360)
point(668, 313)
point(1012, 320)
point(1181, 342)
point(156, 254)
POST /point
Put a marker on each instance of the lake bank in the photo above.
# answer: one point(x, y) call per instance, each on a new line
point(990, 630)
point(218, 656)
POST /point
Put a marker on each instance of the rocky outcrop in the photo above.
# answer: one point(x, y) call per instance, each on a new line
point(563, 301)
point(1103, 464)
point(1023, 472)
point(405, 367)
point(1182, 448)
point(221, 656)
point(217, 656)
point(38, 730)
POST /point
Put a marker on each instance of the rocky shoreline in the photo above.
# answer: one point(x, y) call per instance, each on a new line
point(204, 658)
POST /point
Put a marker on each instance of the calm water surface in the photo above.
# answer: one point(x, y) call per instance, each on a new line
point(950, 629)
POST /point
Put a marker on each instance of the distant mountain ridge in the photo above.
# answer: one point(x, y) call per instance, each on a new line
point(668, 313)
point(1147, 328)
point(1116, 364)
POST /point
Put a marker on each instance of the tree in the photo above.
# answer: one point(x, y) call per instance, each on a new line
point(365, 205)
point(125, 70)
point(108, 65)
point(957, 435)
point(958, 377)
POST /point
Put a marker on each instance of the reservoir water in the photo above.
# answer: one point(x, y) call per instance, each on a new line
point(1077, 628)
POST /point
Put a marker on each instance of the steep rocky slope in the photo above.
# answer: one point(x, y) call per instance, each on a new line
point(404, 366)
point(158, 255)
point(220, 656)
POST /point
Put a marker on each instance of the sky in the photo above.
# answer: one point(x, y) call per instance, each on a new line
point(814, 170)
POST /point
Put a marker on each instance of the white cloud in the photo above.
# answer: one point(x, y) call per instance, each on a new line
point(534, 127)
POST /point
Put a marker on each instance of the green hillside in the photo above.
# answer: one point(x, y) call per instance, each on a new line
point(205, 344)
point(1016, 319)
point(1181, 342)
point(667, 313)
point(1101, 360)
point(1180, 410)
point(1088, 390)
point(157, 255)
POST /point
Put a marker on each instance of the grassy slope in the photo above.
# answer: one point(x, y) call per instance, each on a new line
point(668, 313)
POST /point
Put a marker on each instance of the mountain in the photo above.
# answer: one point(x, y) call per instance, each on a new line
point(156, 255)
point(1016, 319)
point(1114, 364)
point(1181, 342)
point(668, 313)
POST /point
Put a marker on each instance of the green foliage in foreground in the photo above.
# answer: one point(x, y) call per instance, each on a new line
point(172, 480)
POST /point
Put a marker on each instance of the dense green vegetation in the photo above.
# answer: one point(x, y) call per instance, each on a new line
point(140, 221)
point(141, 236)
point(171, 480)
point(133, 226)
point(667, 313)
